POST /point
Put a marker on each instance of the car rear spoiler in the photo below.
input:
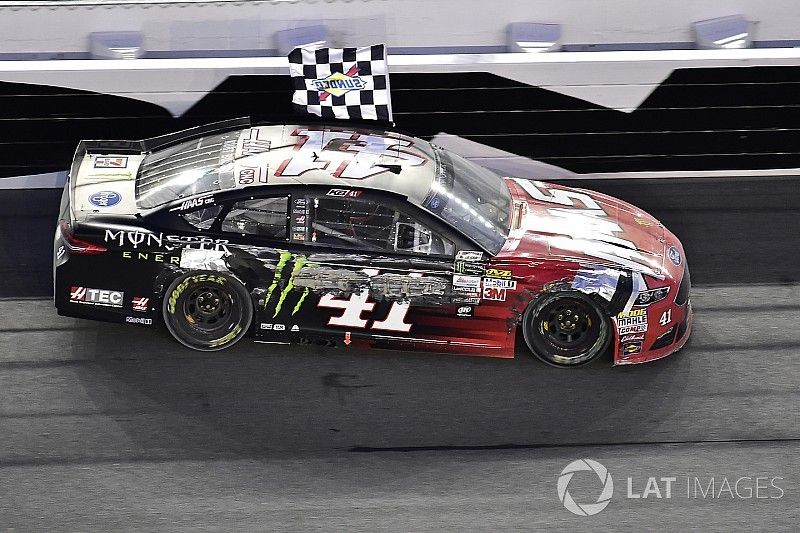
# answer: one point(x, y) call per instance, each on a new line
point(148, 145)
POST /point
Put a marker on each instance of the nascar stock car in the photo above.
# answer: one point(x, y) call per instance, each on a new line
point(357, 237)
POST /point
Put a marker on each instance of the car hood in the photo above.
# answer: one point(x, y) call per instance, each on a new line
point(577, 224)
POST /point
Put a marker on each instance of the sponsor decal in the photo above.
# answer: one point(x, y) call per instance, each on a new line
point(105, 199)
point(492, 293)
point(347, 340)
point(469, 255)
point(465, 267)
point(295, 328)
point(228, 152)
point(499, 283)
point(298, 236)
point(651, 296)
point(343, 193)
point(339, 83)
point(194, 202)
point(435, 204)
point(465, 311)
point(249, 175)
point(497, 273)
point(252, 144)
point(275, 327)
point(100, 297)
point(139, 320)
point(467, 291)
point(631, 338)
point(472, 282)
point(471, 300)
point(111, 162)
point(674, 255)
point(137, 238)
point(631, 348)
point(284, 258)
point(633, 322)
point(139, 303)
point(155, 257)
point(642, 221)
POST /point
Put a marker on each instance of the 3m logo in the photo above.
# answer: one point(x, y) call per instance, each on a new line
point(495, 293)
point(102, 297)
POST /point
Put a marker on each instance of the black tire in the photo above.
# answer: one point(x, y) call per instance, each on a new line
point(207, 311)
point(566, 329)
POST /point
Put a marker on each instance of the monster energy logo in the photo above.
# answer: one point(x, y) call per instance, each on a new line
point(284, 258)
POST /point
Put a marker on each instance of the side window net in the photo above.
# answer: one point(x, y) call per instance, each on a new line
point(202, 218)
point(265, 217)
point(369, 225)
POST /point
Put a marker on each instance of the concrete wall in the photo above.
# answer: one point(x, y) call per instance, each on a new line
point(589, 112)
point(400, 23)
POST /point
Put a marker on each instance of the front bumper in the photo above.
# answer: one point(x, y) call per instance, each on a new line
point(681, 335)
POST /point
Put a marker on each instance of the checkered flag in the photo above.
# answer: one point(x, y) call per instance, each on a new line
point(346, 83)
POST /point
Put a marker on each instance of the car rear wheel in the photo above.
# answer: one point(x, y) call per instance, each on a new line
point(566, 329)
point(207, 311)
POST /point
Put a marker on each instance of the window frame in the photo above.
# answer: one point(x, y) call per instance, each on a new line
point(228, 204)
point(419, 216)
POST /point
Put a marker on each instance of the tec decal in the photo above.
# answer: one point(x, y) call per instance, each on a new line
point(100, 297)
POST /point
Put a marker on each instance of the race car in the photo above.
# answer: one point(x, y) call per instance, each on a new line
point(343, 236)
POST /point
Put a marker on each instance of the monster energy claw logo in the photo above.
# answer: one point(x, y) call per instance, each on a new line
point(283, 260)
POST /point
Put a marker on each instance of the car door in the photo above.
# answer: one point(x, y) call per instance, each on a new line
point(357, 267)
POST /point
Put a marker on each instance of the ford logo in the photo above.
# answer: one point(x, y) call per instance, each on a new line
point(674, 255)
point(105, 198)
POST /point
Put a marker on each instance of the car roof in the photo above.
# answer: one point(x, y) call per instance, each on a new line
point(280, 155)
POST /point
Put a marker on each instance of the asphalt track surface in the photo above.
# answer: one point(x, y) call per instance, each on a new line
point(110, 427)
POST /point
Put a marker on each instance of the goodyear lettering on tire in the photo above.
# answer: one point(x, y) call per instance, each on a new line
point(227, 338)
point(178, 290)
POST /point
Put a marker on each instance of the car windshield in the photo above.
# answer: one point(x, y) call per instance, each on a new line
point(470, 198)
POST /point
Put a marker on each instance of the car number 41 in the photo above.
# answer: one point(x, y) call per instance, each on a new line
point(666, 317)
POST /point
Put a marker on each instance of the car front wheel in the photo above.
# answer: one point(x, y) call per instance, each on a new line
point(566, 329)
point(207, 311)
